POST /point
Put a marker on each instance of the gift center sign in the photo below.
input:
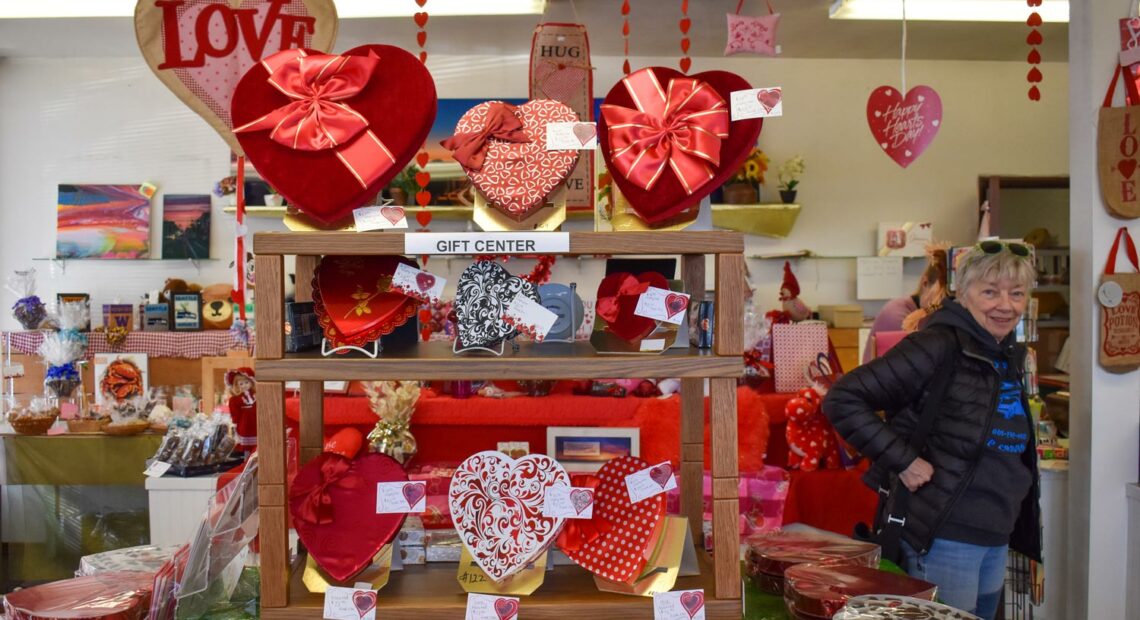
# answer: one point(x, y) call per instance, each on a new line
point(487, 243)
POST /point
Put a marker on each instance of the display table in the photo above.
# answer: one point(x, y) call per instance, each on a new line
point(177, 506)
point(76, 460)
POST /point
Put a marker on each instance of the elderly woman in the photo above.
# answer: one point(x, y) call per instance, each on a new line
point(969, 473)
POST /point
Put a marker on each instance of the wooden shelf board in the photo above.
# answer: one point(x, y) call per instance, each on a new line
point(431, 591)
point(440, 212)
point(645, 243)
point(435, 361)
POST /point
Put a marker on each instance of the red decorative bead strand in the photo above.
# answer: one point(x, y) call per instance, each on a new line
point(1034, 39)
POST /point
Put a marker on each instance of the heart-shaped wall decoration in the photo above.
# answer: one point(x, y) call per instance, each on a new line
point(617, 300)
point(482, 295)
point(375, 103)
point(496, 504)
point(354, 299)
point(201, 48)
point(673, 145)
point(623, 535)
point(904, 127)
point(333, 503)
point(502, 148)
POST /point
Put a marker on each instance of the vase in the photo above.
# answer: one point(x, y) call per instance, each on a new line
point(788, 196)
point(741, 194)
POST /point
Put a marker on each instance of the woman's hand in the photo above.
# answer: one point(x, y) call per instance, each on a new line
point(918, 473)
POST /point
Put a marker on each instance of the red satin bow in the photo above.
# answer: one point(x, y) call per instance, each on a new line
point(470, 148)
point(316, 119)
point(317, 506)
point(577, 533)
point(680, 127)
point(608, 307)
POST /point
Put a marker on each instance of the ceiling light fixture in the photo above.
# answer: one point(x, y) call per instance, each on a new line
point(948, 10)
point(346, 9)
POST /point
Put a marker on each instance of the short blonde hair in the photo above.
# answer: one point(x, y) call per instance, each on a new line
point(976, 265)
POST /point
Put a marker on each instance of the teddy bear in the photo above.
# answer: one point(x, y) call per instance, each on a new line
point(178, 285)
point(217, 306)
point(812, 443)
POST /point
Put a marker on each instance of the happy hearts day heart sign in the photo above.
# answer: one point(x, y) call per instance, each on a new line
point(904, 126)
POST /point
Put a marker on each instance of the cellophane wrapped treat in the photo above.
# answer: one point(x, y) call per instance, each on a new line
point(814, 592)
point(201, 441)
point(107, 596)
point(29, 309)
point(890, 607)
point(772, 553)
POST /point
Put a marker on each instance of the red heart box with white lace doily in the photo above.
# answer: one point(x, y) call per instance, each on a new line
point(391, 104)
point(683, 115)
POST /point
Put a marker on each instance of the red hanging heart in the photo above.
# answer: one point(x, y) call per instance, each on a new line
point(422, 179)
point(685, 44)
point(625, 67)
point(421, 3)
point(425, 334)
point(425, 315)
point(1034, 57)
point(1033, 2)
point(1034, 38)
point(421, 37)
point(686, 64)
point(353, 299)
point(423, 198)
point(1034, 20)
point(423, 217)
point(357, 532)
point(904, 128)
point(399, 104)
point(423, 57)
point(1034, 94)
point(422, 159)
point(686, 23)
point(1034, 75)
point(684, 6)
point(625, 7)
point(421, 19)
point(625, 29)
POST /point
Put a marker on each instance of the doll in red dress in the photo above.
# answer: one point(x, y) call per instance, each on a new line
point(243, 406)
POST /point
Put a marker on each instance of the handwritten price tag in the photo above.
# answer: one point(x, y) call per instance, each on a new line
point(418, 284)
point(350, 604)
point(156, 469)
point(571, 136)
point(757, 103)
point(679, 605)
point(568, 502)
point(663, 305)
point(650, 481)
point(379, 218)
point(401, 497)
point(529, 317)
point(492, 607)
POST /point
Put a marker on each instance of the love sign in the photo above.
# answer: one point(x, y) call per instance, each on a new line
point(1118, 146)
point(201, 48)
point(904, 126)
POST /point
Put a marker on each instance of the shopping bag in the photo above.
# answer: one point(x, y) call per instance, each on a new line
point(1119, 297)
point(795, 346)
point(1118, 149)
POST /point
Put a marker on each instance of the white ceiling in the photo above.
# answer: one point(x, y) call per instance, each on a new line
point(805, 32)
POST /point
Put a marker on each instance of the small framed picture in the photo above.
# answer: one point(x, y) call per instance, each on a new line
point(586, 449)
point(156, 318)
point(62, 298)
point(185, 312)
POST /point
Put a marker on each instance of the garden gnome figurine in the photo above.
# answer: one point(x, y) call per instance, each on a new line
point(790, 296)
point(243, 406)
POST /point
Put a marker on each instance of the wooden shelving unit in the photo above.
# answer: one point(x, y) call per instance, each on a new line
point(568, 592)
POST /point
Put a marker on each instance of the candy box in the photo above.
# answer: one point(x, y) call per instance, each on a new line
point(891, 607)
point(815, 591)
point(770, 554)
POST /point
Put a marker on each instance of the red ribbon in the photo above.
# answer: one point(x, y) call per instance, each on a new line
point(317, 506)
point(608, 307)
point(316, 119)
point(470, 148)
point(577, 533)
point(680, 128)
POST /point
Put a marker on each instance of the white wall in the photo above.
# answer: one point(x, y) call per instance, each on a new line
point(109, 120)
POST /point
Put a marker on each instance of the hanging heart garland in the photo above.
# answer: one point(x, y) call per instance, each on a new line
point(1034, 39)
point(625, 35)
point(423, 177)
point(685, 24)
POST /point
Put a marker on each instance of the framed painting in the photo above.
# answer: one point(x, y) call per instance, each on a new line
point(102, 221)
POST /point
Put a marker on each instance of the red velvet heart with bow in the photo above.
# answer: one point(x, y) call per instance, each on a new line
point(333, 503)
point(617, 543)
point(354, 299)
point(617, 299)
point(329, 132)
point(667, 138)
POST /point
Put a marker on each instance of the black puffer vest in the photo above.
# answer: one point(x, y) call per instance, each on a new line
point(898, 384)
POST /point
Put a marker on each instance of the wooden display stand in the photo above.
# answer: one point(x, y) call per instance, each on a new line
point(420, 592)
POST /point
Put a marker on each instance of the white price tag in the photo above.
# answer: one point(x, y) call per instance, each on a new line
point(379, 218)
point(1110, 294)
point(663, 305)
point(401, 497)
point(655, 344)
point(487, 243)
point(350, 603)
point(529, 317)
point(492, 607)
point(757, 103)
point(1129, 56)
point(650, 481)
point(418, 284)
point(568, 502)
point(679, 605)
point(571, 136)
point(156, 469)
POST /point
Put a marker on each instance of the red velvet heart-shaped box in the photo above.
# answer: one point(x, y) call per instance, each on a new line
point(354, 299)
point(333, 503)
point(617, 299)
point(663, 148)
point(348, 126)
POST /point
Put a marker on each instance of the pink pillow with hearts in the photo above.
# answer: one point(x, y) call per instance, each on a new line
point(756, 35)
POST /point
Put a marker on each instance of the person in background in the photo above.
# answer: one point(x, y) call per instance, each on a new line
point(908, 313)
point(973, 480)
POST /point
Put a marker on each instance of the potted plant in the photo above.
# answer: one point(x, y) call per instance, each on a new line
point(227, 187)
point(744, 187)
point(789, 175)
point(403, 187)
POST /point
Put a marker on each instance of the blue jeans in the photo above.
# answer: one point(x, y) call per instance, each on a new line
point(969, 577)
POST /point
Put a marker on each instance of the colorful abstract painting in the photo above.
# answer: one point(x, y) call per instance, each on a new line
point(102, 221)
point(186, 226)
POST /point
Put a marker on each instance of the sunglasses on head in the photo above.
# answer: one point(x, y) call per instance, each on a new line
point(1015, 248)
